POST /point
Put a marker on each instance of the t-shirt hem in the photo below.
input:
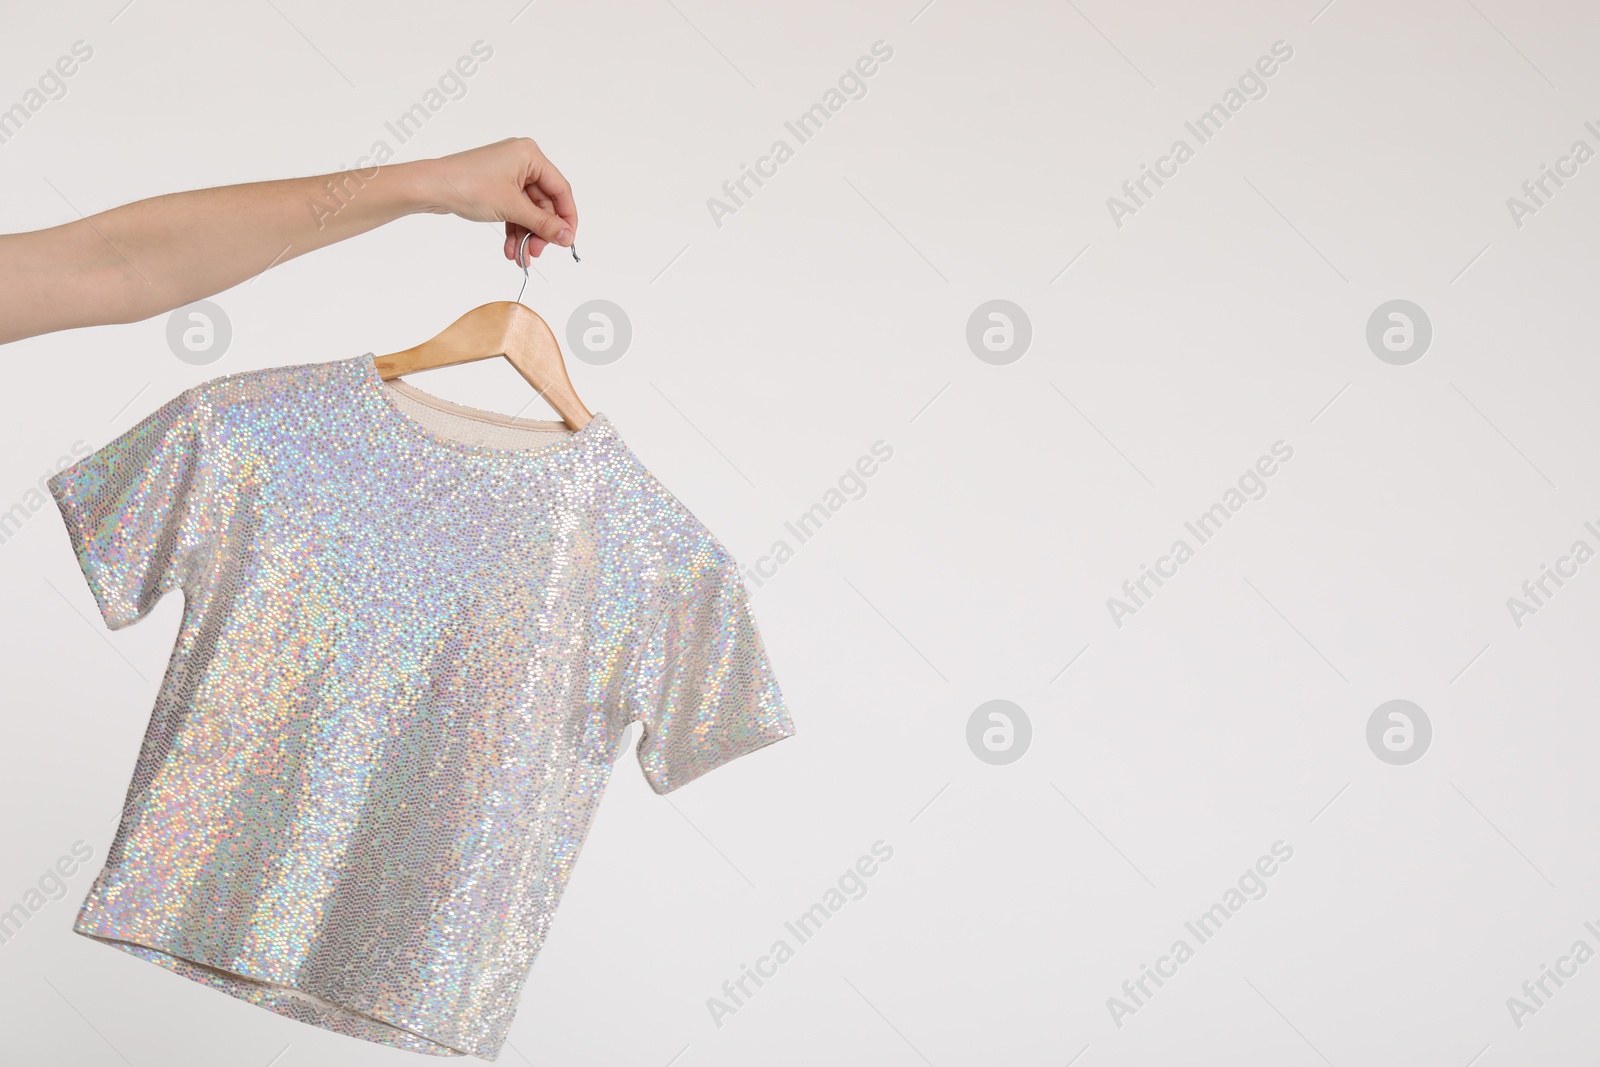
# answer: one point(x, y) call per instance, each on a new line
point(289, 1001)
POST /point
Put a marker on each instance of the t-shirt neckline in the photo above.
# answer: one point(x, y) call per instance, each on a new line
point(375, 384)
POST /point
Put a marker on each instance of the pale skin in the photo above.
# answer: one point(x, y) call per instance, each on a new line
point(151, 256)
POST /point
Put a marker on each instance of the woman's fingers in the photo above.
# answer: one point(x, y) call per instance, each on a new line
point(550, 227)
point(514, 232)
point(511, 181)
point(554, 188)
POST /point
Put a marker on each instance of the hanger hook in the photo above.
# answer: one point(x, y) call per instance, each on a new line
point(522, 261)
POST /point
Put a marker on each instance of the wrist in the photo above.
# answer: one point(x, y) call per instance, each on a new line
point(419, 186)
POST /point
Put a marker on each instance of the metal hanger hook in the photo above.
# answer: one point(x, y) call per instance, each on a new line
point(522, 261)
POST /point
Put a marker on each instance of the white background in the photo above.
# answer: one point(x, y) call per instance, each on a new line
point(830, 312)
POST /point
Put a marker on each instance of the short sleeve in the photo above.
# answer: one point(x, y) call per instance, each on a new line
point(702, 684)
point(134, 511)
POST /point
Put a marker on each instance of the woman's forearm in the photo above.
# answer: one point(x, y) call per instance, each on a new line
point(153, 255)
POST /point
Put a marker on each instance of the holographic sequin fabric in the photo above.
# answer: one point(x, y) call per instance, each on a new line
point(405, 663)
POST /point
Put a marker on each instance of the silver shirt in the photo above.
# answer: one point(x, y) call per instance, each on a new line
point(405, 663)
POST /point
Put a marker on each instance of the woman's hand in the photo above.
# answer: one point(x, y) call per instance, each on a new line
point(509, 181)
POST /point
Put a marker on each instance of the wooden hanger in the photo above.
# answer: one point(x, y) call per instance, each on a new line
point(506, 328)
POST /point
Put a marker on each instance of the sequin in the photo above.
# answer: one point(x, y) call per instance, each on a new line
point(405, 663)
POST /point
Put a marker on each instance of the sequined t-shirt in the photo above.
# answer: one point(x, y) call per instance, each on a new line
point(414, 635)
